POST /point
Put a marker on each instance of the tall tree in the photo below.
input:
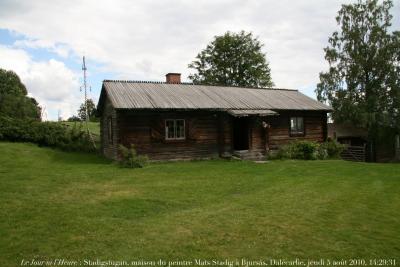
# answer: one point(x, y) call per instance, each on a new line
point(14, 101)
point(92, 111)
point(234, 59)
point(363, 83)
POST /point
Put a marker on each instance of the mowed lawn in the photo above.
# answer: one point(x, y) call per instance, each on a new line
point(94, 127)
point(78, 206)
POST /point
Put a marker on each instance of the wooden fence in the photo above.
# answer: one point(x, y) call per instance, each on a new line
point(354, 153)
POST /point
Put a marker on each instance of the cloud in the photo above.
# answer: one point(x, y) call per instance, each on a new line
point(145, 39)
point(50, 82)
point(59, 49)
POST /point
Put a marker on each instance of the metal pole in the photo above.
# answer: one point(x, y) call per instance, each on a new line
point(86, 104)
point(85, 88)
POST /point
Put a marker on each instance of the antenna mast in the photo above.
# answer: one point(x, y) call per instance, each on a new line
point(86, 103)
point(85, 89)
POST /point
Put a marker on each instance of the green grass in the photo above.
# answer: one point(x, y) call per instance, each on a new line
point(77, 206)
point(94, 127)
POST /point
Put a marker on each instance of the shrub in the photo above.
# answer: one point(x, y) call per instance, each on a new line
point(332, 148)
point(130, 158)
point(302, 150)
point(51, 134)
point(286, 152)
point(322, 153)
point(306, 150)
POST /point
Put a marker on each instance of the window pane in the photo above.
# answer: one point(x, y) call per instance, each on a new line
point(300, 125)
point(296, 125)
point(293, 124)
point(169, 129)
point(180, 129)
point(174, 129)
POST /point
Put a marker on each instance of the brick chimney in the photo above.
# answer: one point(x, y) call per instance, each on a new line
point(173, 77)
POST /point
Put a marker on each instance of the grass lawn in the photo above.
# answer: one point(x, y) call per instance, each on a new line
point(77, 206)
point(94, 127)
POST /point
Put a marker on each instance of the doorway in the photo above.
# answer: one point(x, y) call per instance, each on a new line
point(240, 134)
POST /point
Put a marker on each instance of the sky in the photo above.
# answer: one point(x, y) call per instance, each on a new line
point(44, 41)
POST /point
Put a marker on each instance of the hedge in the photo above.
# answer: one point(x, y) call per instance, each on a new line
point(51, 134)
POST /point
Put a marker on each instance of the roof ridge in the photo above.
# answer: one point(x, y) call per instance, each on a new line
point(138, 81)
point(191, 83)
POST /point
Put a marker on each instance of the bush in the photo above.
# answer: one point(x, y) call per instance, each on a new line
point(130, 158)
point(298, 150)
point(74, 118)
point(285, 152)
point(306, 150)
point(332, 148)
point(322, 153)
point(51, 134)
point(309, 150)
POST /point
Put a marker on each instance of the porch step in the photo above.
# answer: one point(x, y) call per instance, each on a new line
point(248, 155)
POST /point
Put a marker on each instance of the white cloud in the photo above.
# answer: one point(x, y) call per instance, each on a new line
point(146, 39)
point(50, 82)
point(59, 49)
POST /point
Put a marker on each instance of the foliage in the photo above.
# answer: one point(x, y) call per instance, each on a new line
point(310, 150)
point(94, 127)
point(284, 152)
point(130, 158)
point(52, 134)
point(74, 118)
point(322, 152)
point(306, 150)
point(14, 101)
point(298, 150)
point(232, 59)
point(363, 80)
point(332, 148)
point(92, 111)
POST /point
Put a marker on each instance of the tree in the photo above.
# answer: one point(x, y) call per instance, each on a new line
point(14, 101)
point(362, 83)
point(233, 59)
point(74, 118)
point(92, 111)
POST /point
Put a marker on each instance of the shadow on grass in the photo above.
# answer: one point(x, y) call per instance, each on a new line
point(69, 157)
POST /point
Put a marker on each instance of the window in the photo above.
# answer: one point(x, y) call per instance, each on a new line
point(174, 129)
point(296, 126)
point(110, 130)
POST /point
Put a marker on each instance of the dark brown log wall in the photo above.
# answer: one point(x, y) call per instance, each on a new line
point(146, 130)
point(108, 149)
point(226, 134)
point(279, 131)
point(257, 135)
point(208, 134)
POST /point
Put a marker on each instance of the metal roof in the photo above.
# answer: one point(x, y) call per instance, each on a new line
point(156, 95)
point(248, 112)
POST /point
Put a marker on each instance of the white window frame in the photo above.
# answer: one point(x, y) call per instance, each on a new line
point(175, 130)
point(296, 124)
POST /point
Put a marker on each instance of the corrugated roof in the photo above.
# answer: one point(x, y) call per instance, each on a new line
point(248, 112)
point(337, 130)
point(153, 95)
